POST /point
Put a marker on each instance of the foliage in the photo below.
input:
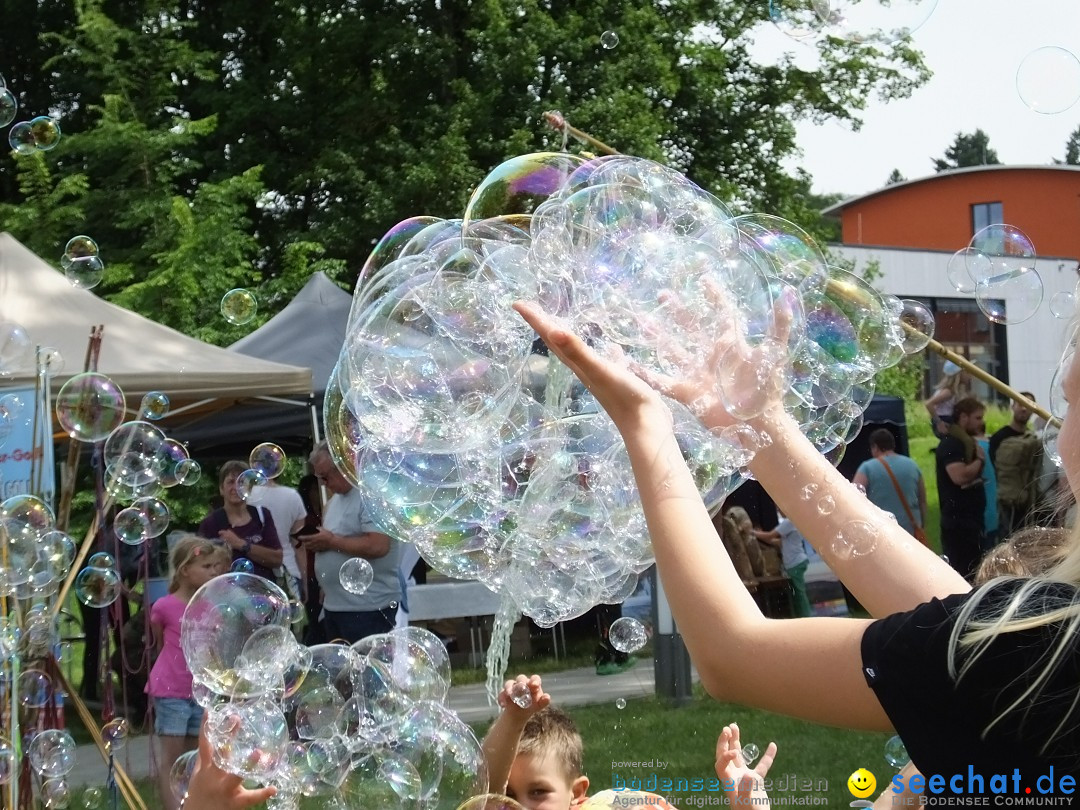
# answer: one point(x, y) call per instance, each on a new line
point(903, 380)
point(895, 177)
point(1072, 149)
point(969, 149)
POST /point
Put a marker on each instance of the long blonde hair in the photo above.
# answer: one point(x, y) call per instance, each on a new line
point(186, 550)
point(970, 638)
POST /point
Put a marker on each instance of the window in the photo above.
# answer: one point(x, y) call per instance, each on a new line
point(983, 214)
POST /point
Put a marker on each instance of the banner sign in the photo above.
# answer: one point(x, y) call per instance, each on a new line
point(17, 446)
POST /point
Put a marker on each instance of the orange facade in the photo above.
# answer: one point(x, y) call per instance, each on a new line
point(935, 213)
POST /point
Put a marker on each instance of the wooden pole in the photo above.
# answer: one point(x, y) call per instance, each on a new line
point(71, 469)
point(556, 121)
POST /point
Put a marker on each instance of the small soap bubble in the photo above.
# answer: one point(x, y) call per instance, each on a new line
point(35, 688)
point(84, 273)
point(131, 526)
point(81, 247)
point(8, 762)
point(750, 752)
point(609, 40)
point(809, 491)
point(620, 703)
point(52, 753)
point(16, 349)
point(21, 138)
point(1063, 305)
point(1048, 80)
point(90, 406)
point(356, 575)
point(46, 132)
point(520, 694)
point(896, 753)
point(857, 538)
point(55, 794)
point(101, 559)
point(115, 734)
point(247, 481)
point(826, 505)
point(917, 325)
point(268, 459)
point(239, 306)
point(50, 361)
point(242, 565)
point(8, 107)
point(188, 472)
point(97, 587)
point(180, 773)
point(93, 798)
point(627, 634)
point(154, 406)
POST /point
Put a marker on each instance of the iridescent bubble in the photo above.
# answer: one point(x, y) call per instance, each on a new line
point(46, 132)
point(81, 247)
point(917, 323)
point(518, 186)
point(52, 753)
point(21, 138)
point(239, 306)
point(136, 454)
point(750, 752)
point(242, 565)
point(101, 559)
point(1063, 305)
point(8, 764)
point(627, 634)
point(84, 273)
point(154, 406)
point(93, 798)
point(521, 695)
point(356, 575)
point(997, 250)
point(50, 361)
point(1010, 297)
point(247, 481)
point(55, 794)
point(267, 458)
point(156, 513)
point(248, 739)
point(609, 40)
point(35, 688)
point(115, 734)
point(16, 349)
point(1048, 80)
point(896, 752)
point(8, 107)
point(181, 772)
point(131, 526)
point(620, 703)
point(871, 22)
point(97, 587)
point(799, 21)
point(188, 472)
point(90, 406)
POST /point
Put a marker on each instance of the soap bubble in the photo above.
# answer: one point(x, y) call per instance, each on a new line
point(520, 695)
point(8, 107)
point(1010, 297)
point(857, 538)
point(246, 483)
point(609, 40)
point(81, 247)
point(997, 250)
point(239, 306)
point(872, 22)
point(896, 752)
point(21, 138)
point(97, 587)
point(136, 455)
point(750, 752)
point(16, 349)
point(800, 22)
point(131, 526)
point(620, 703)
point(93, 798)
point(156, 513)
point(267, 459)
point(181, 772)
point(242, 565)
point(958, 271)
point(1049, 436)
point(355, 575)
point(248, 739)
point(1048, 80)
point(1063, 305)
point(46, 132)
point(220, 620)
point(826, 505)
point(90, 406)
point(52, 753)
point(154, 406)
point(627, 634)
point(35, 688)
point(8, 763)
point(115, 734)
point(85, 272)
point(188, 472)
point(55, 794)
point(101, 559)
point(918, 325)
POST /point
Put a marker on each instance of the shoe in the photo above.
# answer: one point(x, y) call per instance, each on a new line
point(615, 667)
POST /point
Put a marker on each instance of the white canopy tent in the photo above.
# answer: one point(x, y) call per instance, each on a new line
point(137, 353)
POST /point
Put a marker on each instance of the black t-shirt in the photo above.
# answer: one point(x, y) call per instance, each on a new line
point(942, 723)
point(1006, 432)
point(960, 506)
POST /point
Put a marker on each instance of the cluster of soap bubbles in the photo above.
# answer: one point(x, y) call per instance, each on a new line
point(367, 724)
point(998, 267)
point(36, 556)
point(470, 442)
point(52, 756)
point(859, 21)
point(82, 263)
point(39, 134)
point(239, 306)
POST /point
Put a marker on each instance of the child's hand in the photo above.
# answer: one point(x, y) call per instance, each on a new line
point(732, 768)
point(211, 787)
point(523, 696)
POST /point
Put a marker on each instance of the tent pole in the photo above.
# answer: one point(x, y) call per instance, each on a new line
point(315, 437)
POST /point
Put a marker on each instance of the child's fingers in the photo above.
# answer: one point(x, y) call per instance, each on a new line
point(250, 798)
point(766, 760)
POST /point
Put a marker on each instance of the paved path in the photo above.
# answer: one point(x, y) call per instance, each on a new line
point(573, 687)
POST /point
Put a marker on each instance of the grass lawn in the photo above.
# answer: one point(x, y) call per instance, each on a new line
point(684, 740)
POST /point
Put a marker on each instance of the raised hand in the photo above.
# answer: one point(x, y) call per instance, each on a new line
point(748, 783)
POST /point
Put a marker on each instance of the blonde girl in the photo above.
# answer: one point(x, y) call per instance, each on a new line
point(193, 561)
point(952, 387)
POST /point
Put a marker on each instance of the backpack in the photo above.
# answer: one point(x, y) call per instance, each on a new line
point(1017, 463)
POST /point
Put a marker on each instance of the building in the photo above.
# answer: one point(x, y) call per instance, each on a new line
point(912, 229)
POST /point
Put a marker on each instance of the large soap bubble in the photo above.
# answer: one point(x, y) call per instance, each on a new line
point(16, 349)
point(90, 406)
point(873, 21)
point(1048, 80)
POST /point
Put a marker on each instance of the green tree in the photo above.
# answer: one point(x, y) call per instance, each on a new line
point(1072, 149)
point(895, 177)
point(969, 149)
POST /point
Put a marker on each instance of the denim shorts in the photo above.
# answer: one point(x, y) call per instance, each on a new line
point(177, 717)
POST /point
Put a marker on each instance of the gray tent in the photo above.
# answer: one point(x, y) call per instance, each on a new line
point(309, 331)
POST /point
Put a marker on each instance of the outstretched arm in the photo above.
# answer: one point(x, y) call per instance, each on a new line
point(501, 742)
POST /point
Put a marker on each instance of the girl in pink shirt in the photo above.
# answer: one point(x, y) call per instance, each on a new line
point(177, 717)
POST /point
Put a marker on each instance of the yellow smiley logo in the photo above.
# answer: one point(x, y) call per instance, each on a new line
point(861, 783)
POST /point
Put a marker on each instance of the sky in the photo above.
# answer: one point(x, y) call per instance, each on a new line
point(974, 48)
